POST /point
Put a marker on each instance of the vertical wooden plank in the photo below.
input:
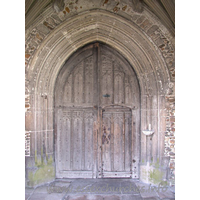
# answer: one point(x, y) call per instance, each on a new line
point(67, 141)
point(95, 146)
point(117, 144)
point(67, 98)
point(77, 141)
point(71, 141)
point(112, 143)
point(99, 102)
point(121, 141)
point(121, 87)
point(78, 84)
point(109, 143)
point(84, 139)
point(63, 142)
point(89, 141)
point(59, 130)
point(127, 151)
point(133, 145)
point(86, 80)
point(100, 142)
point(106, 145)
point(124, 149)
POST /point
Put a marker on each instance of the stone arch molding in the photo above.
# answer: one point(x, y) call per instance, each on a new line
point(131, 42)
point(124, 36)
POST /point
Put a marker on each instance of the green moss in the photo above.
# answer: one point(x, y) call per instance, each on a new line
point(155, 176)
point(142, 160)
point(50, 160)
point(35, 156)
point(42, 160)
point(44, 173)
point(39, 162)
point(47, 158)
point(157, 163)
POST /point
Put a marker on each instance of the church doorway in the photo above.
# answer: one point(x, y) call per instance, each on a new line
point(97, 115)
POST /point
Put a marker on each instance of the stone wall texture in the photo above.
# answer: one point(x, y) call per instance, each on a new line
point(130, 28)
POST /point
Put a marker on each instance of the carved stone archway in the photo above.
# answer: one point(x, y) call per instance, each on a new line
point(135, 46)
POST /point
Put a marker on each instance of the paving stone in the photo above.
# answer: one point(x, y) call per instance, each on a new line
point(146, 191)
point(116, 189)
point(38, 196)
point(28, 192)
point(82, 186)
point(95, 197)
point(134, 197)
point(129, 187)
point(76, 197)
point(107, 186)
point(113, 197)
point(46, 196)
point(27, 196)
point(41, 189)
point(168, 194)
point(54, 196)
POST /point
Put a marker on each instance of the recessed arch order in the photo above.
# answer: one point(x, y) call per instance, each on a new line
point(127, 39)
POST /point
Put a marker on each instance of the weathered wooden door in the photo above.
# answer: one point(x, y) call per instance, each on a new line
point(116, 142)
point(95, 93)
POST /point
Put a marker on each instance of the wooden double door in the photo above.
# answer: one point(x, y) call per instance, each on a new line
point(94, 115)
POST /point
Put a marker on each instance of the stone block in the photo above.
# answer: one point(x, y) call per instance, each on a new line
point(172, 141)
point(140, 20)
point(133, 197)
point(135, 17)
point(152, 29)
point(43, 29)
point(112, 197)
point(56, 18)
point(27, 55)
point(145, 24)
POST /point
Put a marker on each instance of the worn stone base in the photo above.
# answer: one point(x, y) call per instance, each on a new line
point(154, 175)
point(97, 189)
